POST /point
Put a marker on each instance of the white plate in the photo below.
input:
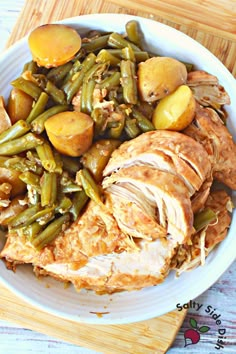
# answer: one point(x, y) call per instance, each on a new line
point(50, 295)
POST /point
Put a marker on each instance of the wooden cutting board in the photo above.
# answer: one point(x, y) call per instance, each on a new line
point(211, 23)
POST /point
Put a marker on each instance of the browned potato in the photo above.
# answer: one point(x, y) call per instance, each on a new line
point(71, 133)
point(53, 44)
point(160, 76)
point(12, 210)
point(12, 177)
point(5, 121)
point(19, 105)
point(176, 111)
point(97, 156)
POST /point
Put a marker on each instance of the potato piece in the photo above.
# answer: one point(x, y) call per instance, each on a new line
point(71, 133)
point(160, 76)
point(53, 44)
point(19, 105)
point(5, 121)
point(176, 111)
point(12, 177)
point(97, 156)
point(13, 209)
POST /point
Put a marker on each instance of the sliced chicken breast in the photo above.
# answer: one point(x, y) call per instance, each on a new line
point(166, 191)
point(167, 151)
point(209, 130)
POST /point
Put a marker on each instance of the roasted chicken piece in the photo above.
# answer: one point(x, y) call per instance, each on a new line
point(192, 254)
point(94, 254)
point(167, 151)
point(162, 190)
point(206, 89)
point(209, 130)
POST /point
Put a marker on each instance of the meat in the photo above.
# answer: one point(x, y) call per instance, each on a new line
point(191, 255)
point(147, 266)
point(167, 151)
point(206, 89)
point(209, 130)
point(164, 191)
point(94, 254)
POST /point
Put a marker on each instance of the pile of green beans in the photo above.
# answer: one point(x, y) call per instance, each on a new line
point(58, 187)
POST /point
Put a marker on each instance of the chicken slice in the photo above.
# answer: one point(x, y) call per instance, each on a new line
point(139, 219)
point(206, 89)
point(167, 151)
point(208, 129)
point(191, 255)
point(166, 191)
point(94, 254)
point(94, 233)
point(147, 266)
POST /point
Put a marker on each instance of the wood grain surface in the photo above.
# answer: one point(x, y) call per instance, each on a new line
point(155, 335)
point(218, 35)
point(212, 23)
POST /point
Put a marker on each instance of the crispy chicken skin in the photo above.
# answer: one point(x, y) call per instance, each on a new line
point(209, 130)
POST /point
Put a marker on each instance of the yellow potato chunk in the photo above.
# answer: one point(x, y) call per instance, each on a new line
point(176, 111)
point(160, 76)
point(53, 44)
point(70, 132)
point(19, 105)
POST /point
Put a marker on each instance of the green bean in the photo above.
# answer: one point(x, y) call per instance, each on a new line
point(15, 131)
point(57, 95)
point(24, 143)
point(64, 205)
point(71, 164)
point(31, 179)
point(105, 56)
point(46, 157)
point(128, 53)
point(38, 123)
point(48, 184)
point(89, 185)
point(86, 100)
point(204, 218)
point(115, 40)
point(43, 216)
point(38, 107)
point(31, 66)
point(134, 33)
point(58, 160)
point(57, 74)
point(139, 56)
point(22, 218)
point(73, 86)
point(131, 128)
point(115, 132)
point(28, 87)
point(144, 124)
point(51, 232)
point(32, 230)
point(71, 188)
point(79, 200)
point(111, 81)
point(99, 121)
point(95, 44)
point(128, 81)
point(22, 164)
point(146, 109)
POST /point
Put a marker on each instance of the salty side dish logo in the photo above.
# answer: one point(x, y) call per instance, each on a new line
point(193, 335)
